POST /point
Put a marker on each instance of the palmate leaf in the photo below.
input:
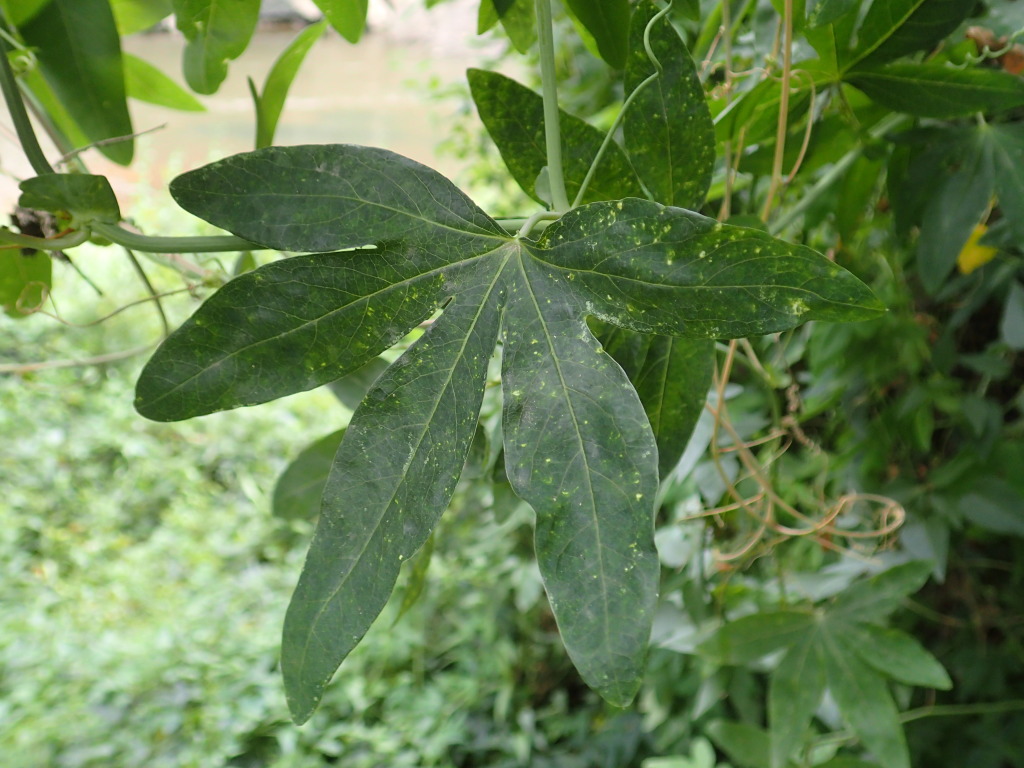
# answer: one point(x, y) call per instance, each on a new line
point(578, 445)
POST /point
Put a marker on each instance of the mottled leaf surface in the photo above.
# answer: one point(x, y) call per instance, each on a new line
point(514, 117)
point(217, 32)
point(668, 133)
point(578, 445)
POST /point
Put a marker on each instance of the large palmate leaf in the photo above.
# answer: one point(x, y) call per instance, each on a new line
point(667, 128)
point(514, 117)
point(217, 32)
point(894, 28)
point(79, 54)
point(578, 445)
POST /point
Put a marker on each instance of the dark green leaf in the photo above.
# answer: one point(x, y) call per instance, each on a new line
point(898, 655)
point(139, 15)
point(794, 693)
point(579, 450)
point(19, 12)
point(655, 269)
point(607, 21)
point(934, 90)
point(864, 701)
point(875, 598)
point(420, 565)
point(25, 281)
point(668, 133)
point(1011, 326)
point(744, 744)
point(217, 32)
point(825, 12)
point(145, 82)
point(517, 19)
point(757, 635)
point(514, 118)
point(79, 55)
point(86, 197)
point(352, 388)
point(348, 17)
point(1006, 142)
point(299, 488)
point(64, 124)
point(997, 506)
point(279, 81)
point(894, 28)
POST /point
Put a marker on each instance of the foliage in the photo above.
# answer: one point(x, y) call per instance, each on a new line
point(833, 467)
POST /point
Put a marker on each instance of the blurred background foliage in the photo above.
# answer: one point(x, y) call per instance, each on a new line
point(145, 576)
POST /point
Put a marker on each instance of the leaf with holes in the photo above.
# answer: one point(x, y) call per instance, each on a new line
point(394, 242)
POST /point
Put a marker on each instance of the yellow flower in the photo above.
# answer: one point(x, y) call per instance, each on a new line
point(973, 255)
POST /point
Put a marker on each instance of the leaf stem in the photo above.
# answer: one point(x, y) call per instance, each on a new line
point(780, 132)
point(15, 240)
point(549, 91)
point(211, 244)
point(19, 115)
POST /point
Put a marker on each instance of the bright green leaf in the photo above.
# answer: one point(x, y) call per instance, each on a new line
point(875, 598)
point(86, 197)
point(516, 17)
point(19, 12)
point(25, 281)
point(299, 488)
point(898, 655)
point(755, 636)
point(934, 90)
point(279, 81)
point(146, 83)
point(139, 15)
point(79, 55)
point(794, 693)
point(864, 700)
point(348, 17)
point(668, 133)
point(217, 32)
point(608, 22)
point(744, 744)
point(895, 28)
point(514, 118)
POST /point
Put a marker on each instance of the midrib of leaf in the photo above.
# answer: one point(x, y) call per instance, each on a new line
point(498, 272)
point(592, 508)
point(892, 31)
point(360, 300)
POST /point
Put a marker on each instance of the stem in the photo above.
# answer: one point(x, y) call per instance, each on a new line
point(150, 289)
point(19, 115)
point(549, 91)
point(14, 240)
point(780, 132)
point(212, 244)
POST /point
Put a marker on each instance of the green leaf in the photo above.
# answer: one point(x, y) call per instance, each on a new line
point(996, 506)
point(352, 388)
point(146, 83)
point(417, 577)
point(79, 55)
point(875, 598)
point(898, 655)
point(217, 32)
point(299, 488)
point(934, 90)
point(577, 443)
point(656, 269)
point(895, 28)
point(348, 17)
point(825, 12)
point(25, 281)
point(864, 701)
point(607, 21)
point(19, 12)
point(794, 693)
point(270, 102)
point(755, 636)
point(744, 744)
point(514, 118)
point(517, 19)
point(1011, 325)
point(1006, 144)
point(86, 197)
point(668, 133)
point(139, 15)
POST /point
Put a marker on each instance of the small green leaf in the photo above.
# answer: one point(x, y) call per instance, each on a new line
point(514, 118)
point(275, 90)
point(352, 388)
point(794, 693)
point(79, 55)
point(875, 598)
point(217, 32)
point(934, 90)
point(516, 17)
point(755, 636)
point(607, 21)
point(668, 133)
point(86, 197)
point(25, 281)
point(895, 28)
point(898, 655)
point(299, 488)
point(744, 744)
point(864, 701)
point(145, 82)
point(348, 17)
point(139, 15)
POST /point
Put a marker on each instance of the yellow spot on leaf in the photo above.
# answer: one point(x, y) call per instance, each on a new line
point(973, 255)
